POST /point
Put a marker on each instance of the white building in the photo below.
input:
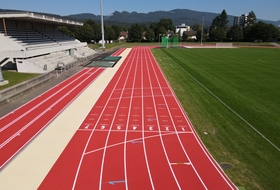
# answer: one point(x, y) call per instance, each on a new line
point(33, 43)
point(182, 28)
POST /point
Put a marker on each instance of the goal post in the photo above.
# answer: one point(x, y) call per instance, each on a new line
point(224, 45)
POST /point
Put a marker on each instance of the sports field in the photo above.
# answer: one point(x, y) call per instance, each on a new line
point(232, 98)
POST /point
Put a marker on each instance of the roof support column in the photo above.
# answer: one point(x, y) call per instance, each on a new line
point(4, 24)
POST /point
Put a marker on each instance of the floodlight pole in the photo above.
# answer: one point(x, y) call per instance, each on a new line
point(202, 28)
point(102, 25)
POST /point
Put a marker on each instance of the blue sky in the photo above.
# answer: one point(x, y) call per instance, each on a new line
point(264, 9)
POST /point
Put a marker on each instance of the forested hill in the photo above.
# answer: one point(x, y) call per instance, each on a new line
point(178, 16)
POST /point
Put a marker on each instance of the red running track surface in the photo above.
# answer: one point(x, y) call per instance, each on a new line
point(118, 52)
point(20, 126)
point(136, 136)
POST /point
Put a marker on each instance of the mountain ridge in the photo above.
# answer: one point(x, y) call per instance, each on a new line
point(178, 16)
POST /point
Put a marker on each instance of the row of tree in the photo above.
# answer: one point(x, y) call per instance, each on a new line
point(90, 32)
point(218, 31)
point(247, 31)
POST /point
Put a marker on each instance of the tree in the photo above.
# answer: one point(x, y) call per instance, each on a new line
point(116, 31)
point(260, 32)
point(97, 33)
point(161, 31)
point(109, 33)
point(185, 37)
point(90, 22)
point(161, 28)
point(67, 30)
point(197, 27)
point(275, 33)
point(223, 18)
point(153, 27)
point(220, 21)
point(217, 34)
point(135, 33)
point(150, 35)
point(235, 33)
point(218, 27)
point(166, 23)
point(85, 33)
point(251, 19)
point(264, 32)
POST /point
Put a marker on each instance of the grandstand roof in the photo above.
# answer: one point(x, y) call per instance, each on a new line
point(35, 17)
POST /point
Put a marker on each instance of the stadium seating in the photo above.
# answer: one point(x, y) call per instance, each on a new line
point(38, 47)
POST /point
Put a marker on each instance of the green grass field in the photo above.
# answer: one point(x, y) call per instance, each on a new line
point(15, 78)
point(234, 96)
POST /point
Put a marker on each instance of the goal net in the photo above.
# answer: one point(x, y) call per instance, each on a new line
point(224, 45)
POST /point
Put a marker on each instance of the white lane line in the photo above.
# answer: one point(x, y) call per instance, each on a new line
point(173, 123)
point(143, 121)
point(39, 104)
point(118, 107)
point(137, 140)
point(37, 117)
point(129, 113)
point(212, 160)
point(148, 63)
point(97, 122)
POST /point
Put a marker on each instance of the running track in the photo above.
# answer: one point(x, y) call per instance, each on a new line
point(19, 127)
point(136, 136)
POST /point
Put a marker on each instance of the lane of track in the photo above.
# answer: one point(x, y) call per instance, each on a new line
point(118, 52)
point(205, 171)
point(136, 137)
point(83, 159)
point(22, 125)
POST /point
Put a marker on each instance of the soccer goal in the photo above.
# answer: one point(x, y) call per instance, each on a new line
point(224, 45)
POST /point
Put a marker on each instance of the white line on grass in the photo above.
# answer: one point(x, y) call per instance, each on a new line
point(226, 105)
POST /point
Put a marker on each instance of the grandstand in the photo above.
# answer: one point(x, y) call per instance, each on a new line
point(32, 43)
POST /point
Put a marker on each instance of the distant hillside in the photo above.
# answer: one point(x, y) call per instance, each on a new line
point(178, 16)
point(125, 18)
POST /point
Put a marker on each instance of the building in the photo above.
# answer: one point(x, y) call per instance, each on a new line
point(240, 20)
point(191, 34)
point(123, 35)
point(33, 43)
point(182, 28)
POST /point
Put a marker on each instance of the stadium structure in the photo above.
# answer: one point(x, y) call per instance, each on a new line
point(32, 43)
